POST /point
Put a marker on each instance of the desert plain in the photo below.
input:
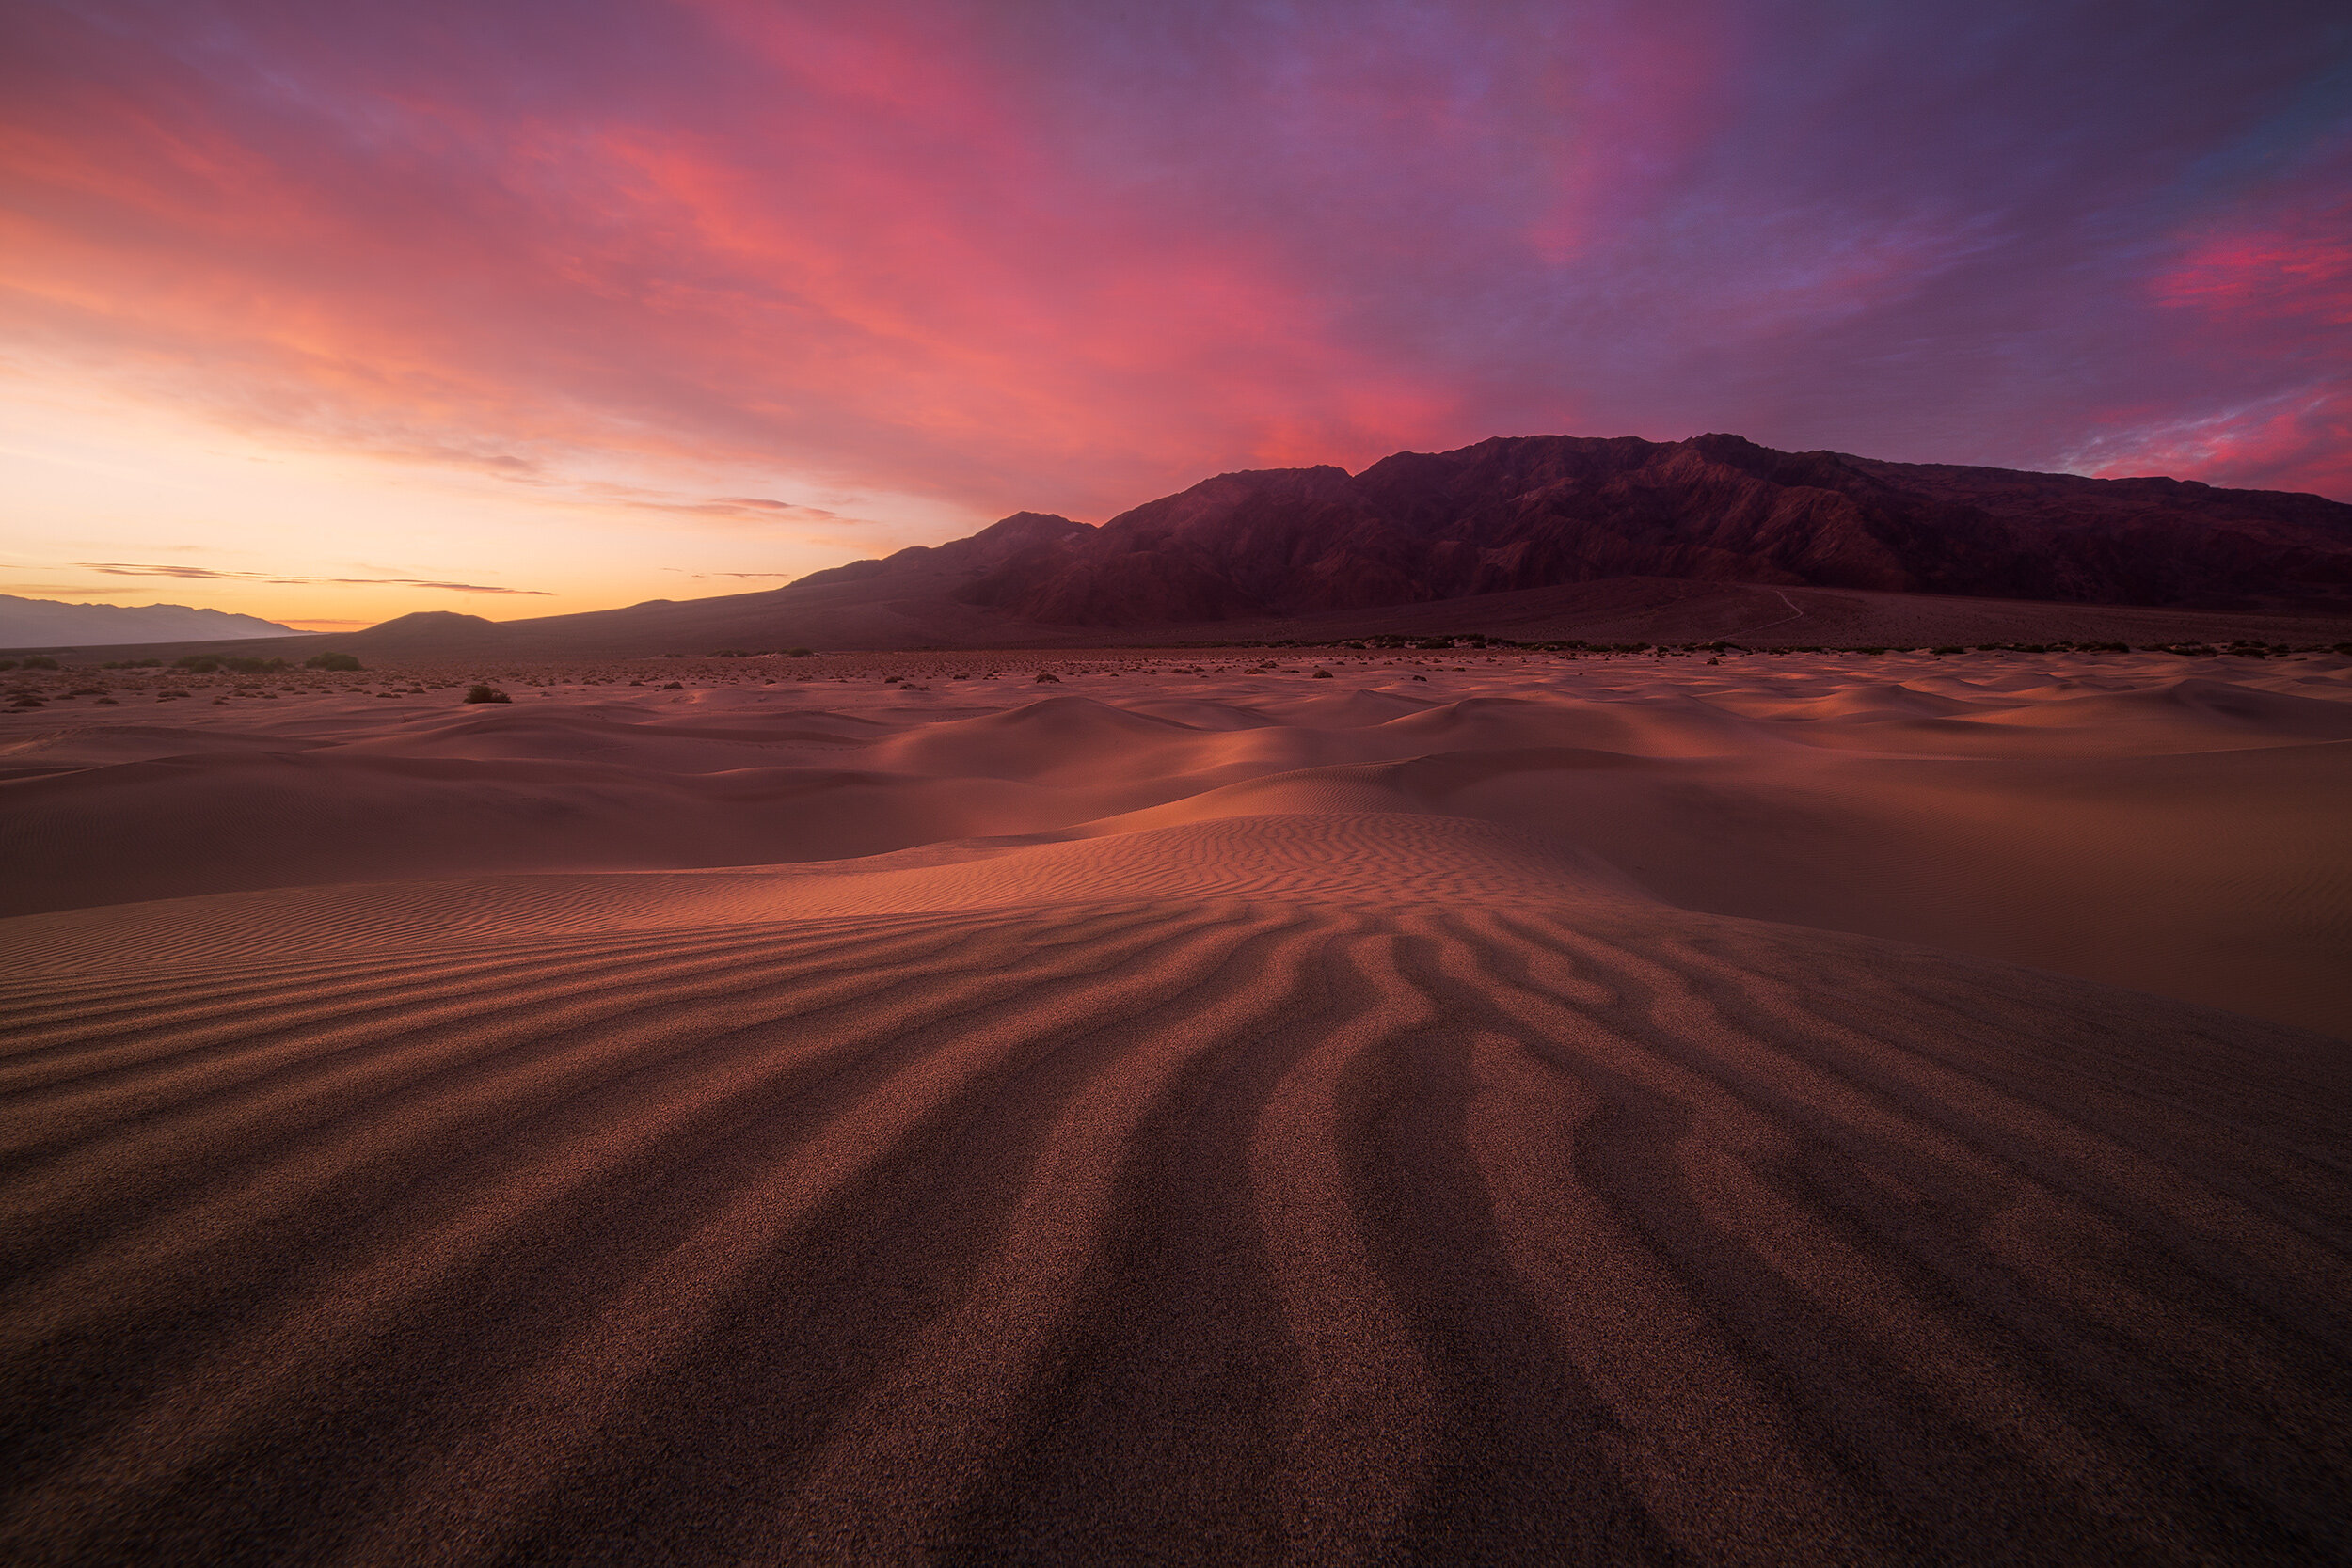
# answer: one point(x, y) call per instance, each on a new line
point(1223, 1105)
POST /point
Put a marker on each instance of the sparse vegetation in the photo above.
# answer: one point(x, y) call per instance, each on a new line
point(206, 664)
point(484, 692)
point(331, 661)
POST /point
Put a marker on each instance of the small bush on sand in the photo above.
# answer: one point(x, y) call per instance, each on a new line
point(41, 661)
point(481, 693)
point(331, 661)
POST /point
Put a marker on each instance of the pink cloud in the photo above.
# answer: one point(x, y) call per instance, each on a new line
point(1069, 257)
point(2292, 267)
point(943, 305)
point(2267, 285)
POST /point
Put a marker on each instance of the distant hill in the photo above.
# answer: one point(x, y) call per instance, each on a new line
point(31, 622)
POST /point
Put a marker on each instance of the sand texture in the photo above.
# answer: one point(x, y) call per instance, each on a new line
point(1480, 1109)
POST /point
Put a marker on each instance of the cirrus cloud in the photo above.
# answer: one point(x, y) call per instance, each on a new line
point(129, 569)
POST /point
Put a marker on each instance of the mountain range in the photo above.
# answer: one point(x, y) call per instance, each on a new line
point(1538, 511)
point(1543, 536)
point(31, 622)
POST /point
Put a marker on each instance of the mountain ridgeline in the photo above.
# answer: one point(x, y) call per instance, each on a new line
point(1542, 511)
point(1535, 537)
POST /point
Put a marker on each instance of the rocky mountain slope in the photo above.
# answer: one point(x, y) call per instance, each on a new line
point(1536, 512)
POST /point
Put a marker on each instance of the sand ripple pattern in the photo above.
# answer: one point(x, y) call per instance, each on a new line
point(1128, 1228)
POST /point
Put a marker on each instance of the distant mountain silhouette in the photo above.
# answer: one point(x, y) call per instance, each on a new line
point(1541, 536)
point(32, 623)
point(1542, 511)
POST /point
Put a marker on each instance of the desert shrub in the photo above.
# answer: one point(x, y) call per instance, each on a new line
point(252, 666)
point(798, 653)
point(1048, 675)
point(8, 664)
point(331, 661)
point(39, 661)
point(480, 693)
point(1322, 674)
point(729, 653)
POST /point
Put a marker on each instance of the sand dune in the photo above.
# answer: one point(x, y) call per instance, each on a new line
point(1620, 1111)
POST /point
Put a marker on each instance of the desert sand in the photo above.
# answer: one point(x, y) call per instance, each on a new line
point(1473, 1107)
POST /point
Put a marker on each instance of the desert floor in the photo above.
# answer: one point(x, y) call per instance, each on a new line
point(1478, 1106)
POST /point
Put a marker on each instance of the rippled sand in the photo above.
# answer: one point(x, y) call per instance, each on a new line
point(1871, 1110)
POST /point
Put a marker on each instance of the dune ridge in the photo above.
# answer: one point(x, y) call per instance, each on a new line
point(1313, 1125)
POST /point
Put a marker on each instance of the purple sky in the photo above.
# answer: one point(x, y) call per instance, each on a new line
point(558, 297)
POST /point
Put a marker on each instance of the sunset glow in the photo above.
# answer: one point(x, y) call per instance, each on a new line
point(329, 313)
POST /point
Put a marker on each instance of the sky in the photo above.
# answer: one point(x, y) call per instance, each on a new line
point(333, 313)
